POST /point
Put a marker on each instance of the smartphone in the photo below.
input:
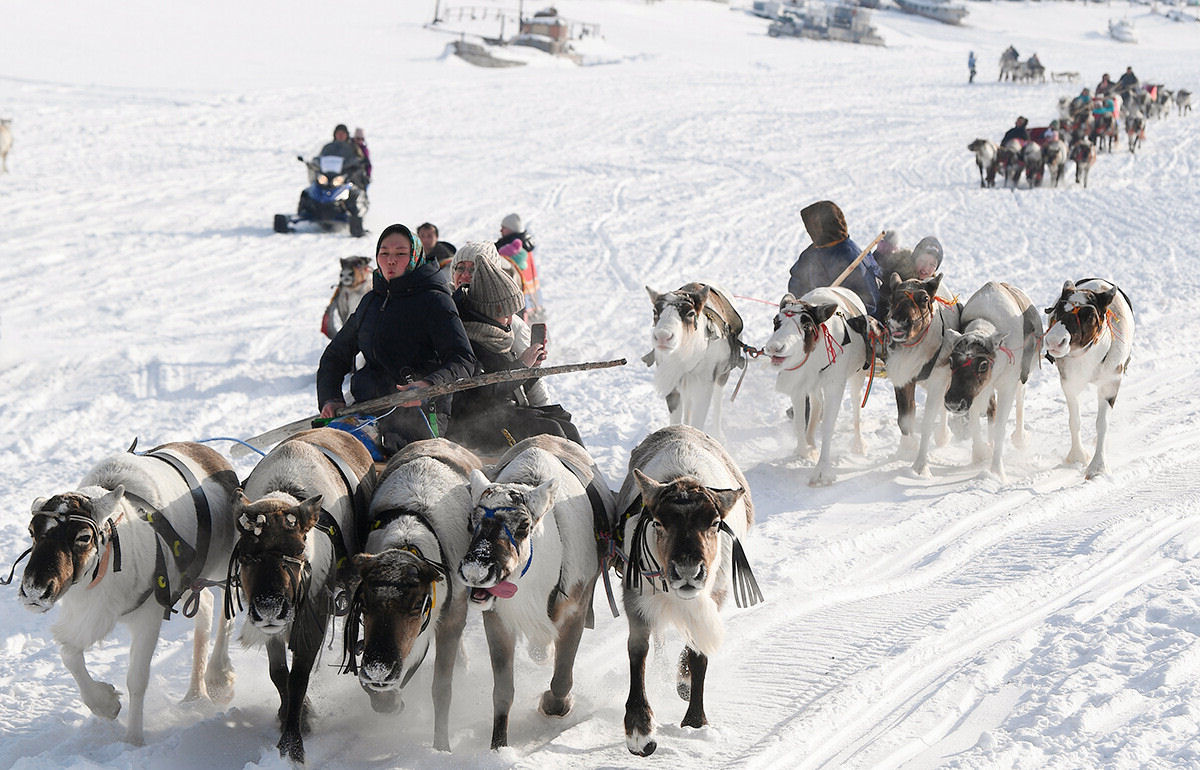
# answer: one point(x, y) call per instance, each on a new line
point(537, 335)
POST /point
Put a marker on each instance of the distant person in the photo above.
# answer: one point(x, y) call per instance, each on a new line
point(352, 158)
point(1128, 81)
point(438, 251)
point(1081, 104)
point(517, 245)
point(1104, 86)
point(1018, 131)
point(829, 254)
point(360, 141)
point(971, 66)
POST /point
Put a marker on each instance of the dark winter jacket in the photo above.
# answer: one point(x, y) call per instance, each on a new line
point(1128, 82)
point(1016, 132)
point(407, 329)
point(831, 251)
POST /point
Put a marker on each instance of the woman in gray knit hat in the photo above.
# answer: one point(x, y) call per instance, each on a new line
point(482, 415)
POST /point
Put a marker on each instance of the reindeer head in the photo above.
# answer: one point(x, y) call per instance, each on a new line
point(355, 270)
point(910, 307)
point(271, 554)
point(677, 318)
point(686, 520)
point(67, 537)
point(505, 518)
point(972, 358)
point(797, 327)
point(395, 602)
point(1076, 319)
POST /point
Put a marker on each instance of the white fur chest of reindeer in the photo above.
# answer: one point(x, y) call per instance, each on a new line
point(1090, 339)
point(411, 592)
point(920, 315)
point(687, 509)
point(990, 361)
point(97, 553)
point(818, 348)
point(532, 566)
point(696, 346)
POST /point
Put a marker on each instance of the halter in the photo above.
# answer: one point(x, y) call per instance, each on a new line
point(1109, 319)
point(233, 580)
point(971, 360)
point(99, 532)
point(490, 513)
point(830, 342)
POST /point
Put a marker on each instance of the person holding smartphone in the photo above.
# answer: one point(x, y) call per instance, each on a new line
point(488, 307)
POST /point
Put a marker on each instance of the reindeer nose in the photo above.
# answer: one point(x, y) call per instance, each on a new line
point(663, 336)
point(377, 671)
point(693, 572)
point(956, 405)
point(269, 610)
point(473, 572)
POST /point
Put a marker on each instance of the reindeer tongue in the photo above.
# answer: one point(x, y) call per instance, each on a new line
point(503, 590)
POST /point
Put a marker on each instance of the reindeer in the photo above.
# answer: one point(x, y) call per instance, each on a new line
point(833, 324)
point(985, 373)
point(409, 590)
point(687, 507)
point(141, 530)
point(1055, 155)
point(1083, 152)
point(297, 520)
point(1011, 160)
point(1031, 159)
point(1183, 101)
point(985, 158)
point(1089, 339)
point(533, 562)
point(1135, 128)
point(1009, 61)
point(353, 285)
point(6, 141)
point(696, 345)
point(919, 317)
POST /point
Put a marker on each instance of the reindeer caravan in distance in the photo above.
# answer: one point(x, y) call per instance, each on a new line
point(1017, 71)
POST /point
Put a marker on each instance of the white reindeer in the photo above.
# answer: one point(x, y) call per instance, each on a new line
point(6, 141)
point(353, 284)
point(992, 359)
point(418, 534)
point(819, 347)
point(1089, 339)
point(1055, 155)
point(533, 562)
point(687, 507)
point(95, 552)
point(696, 346)
point(985, 159)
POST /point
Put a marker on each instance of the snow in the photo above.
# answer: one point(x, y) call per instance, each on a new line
point(956, 621)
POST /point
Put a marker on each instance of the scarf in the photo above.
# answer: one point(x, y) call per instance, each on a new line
point(489, 335)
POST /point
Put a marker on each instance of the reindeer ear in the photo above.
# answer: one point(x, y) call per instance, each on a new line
point(953, 336)
point(1068, 287)
point(788, 299)
point(540, 499)
point(363, 562)
point(240, 501)
point(479, 483)
point(653, 294)
point(37, 504)
point(700, 297)
point(307, 513)
point(822, 313)
point(648, 486)
point(997, 339)
point(104, 507)
point(894, 281)
point(726, 498)
point(431, 572)
point(1104, 299)
point(932, 284)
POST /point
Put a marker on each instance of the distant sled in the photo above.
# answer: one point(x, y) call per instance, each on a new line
point(1121, 30)
point(939, 10)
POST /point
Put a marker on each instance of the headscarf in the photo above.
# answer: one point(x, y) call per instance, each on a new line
point(418, 254)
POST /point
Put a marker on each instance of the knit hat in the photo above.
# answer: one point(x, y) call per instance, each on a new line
point(492, 293)
point(928, 245)
point(358, 134)
point(825, 223)
point(340, 127)
point(475, 251)
point(418, 255)
point(513, 222)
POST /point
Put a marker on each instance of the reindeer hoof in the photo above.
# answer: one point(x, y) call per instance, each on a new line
point(219, 686)
point(291, 747)
point(1076, 457)
point(553, 706)
point(822, 479)
point(105, 703)
point(135, 739)
point(697, 721)
point(1096, 469)
point(1020, 439)
point(640, 744)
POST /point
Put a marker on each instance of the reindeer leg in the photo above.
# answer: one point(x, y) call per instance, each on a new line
point(639, 718)
point(906, 414)
point(500, 646)
point(935, 396)
point(278, 667)
point(143, 634)
point(1106, 397)
point(698, 666)
point(218, 680)
point(975, 416)
point(823, 476)
point(815, 410)
point(701, 400)
point(1020, 436)
point(449, 637)
point(1004, 404)
point(296, 722)
point(675, 407)
point(798, 424)
point(100, 697)
point(557, 701)
point(197, 690)
point(858, 446)
point(1076, 454)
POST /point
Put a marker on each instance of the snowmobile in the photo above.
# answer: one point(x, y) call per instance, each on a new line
point(335, 194)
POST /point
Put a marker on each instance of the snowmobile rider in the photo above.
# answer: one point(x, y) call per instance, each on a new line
point(488, 307)
point(360, 142)
point(1018, 131)
point(409, 332)
point(349, 152)
point(829, 254)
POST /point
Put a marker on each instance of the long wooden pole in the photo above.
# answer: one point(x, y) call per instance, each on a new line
point(392, 400)
point(850, 267)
